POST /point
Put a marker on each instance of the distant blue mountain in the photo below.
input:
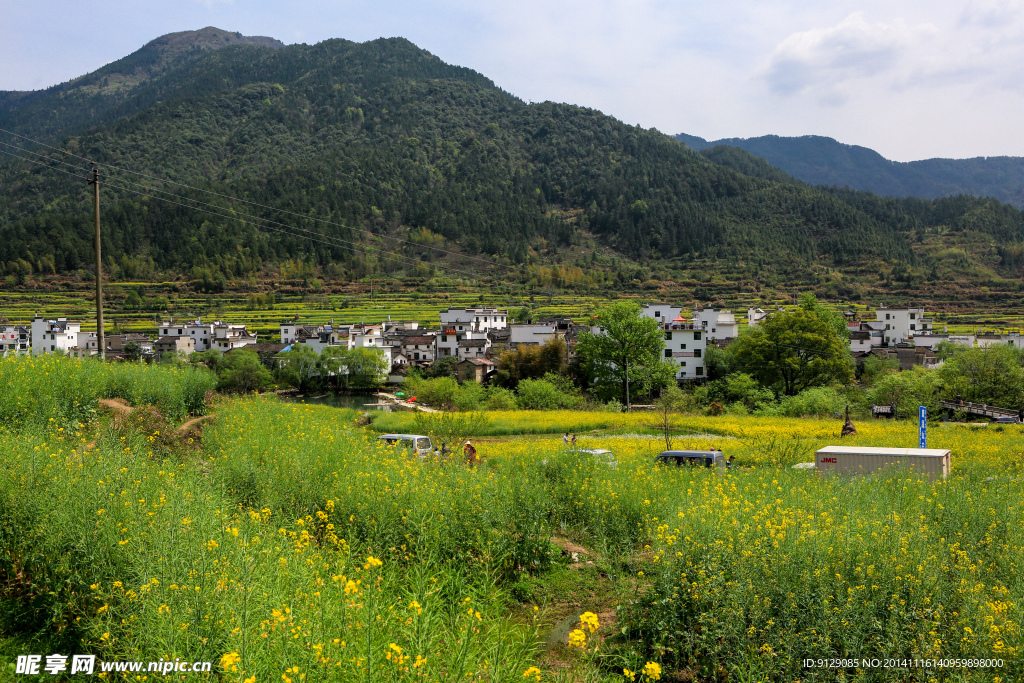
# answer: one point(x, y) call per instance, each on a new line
point(823, 161)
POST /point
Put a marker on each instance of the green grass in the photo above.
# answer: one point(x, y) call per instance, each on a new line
point(259, 545)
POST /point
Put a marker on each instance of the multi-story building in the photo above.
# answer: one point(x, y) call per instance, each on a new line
point(902, 324)
point(294, 332)
point(685, 340)
point(174, 345)
point(206, 336)
point(14, 339)
point(49, 336)
point(717, 324)
point(229, 337)
point(474, 319)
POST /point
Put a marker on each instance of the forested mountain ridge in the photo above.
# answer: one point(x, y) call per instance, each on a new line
point(116, 89)
point(823, 161)
point(381, 141)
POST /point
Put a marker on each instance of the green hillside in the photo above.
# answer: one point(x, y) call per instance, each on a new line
point(391, 162)
point(823, 161)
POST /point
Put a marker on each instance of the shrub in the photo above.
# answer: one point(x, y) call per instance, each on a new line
point(539, 394)
point(499, 398)
point(471, 396)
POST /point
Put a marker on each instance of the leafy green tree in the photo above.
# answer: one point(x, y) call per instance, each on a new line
point(876, 367)
point(539, 394)
point(741, 387)
point(992, 375)
point(300, 368)
point(626, 351)
point(906, 390)
point(242, 372)
point(834, 319)
point(353, 369)
point(794, 350)
point(442, 367)
point(133, 350)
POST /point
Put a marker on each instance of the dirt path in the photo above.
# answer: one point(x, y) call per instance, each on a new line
point(193, 426)
point(115, 405)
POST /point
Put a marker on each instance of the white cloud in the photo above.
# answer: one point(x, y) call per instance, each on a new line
point(822, 60)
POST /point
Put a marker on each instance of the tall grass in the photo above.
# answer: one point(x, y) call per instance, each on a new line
point(38, 390)
point(294, 544)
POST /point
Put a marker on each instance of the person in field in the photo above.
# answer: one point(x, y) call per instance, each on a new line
point(471, 457)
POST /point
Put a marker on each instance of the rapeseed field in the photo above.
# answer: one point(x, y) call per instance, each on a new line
point(289, 545)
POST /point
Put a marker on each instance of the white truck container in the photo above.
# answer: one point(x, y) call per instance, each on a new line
point(933, 462)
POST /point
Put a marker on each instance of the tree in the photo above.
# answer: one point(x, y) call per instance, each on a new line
point(627, 350)
point(993, 375)
point(443, 367)
point(242, 372)
point(300, 368)
point(353, 369)
point(795, 350)
point(671, 401)
point(133, 350)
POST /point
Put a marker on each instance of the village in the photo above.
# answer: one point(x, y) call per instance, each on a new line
point(474, 337)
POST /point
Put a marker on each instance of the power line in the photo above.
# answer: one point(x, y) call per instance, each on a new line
point(256, 204)
point(257, 221)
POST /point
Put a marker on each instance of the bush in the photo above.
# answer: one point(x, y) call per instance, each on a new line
point(499, 398)
point(471, 396)
point(816, 401)
point(539, 394)
point(440, 392)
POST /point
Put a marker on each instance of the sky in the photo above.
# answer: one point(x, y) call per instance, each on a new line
point(912, 80)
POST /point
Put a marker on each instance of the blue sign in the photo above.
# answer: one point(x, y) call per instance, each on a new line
point(923, 428)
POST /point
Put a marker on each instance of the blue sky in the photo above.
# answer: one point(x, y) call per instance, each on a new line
point(910, 79)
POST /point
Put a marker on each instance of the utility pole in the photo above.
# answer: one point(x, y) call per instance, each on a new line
point(99, 264)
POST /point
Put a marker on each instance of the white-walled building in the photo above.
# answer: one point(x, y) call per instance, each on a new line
point(206, 336)
point(474, 319)
point(229, 337)
point(755, 316)
point(14, 339)
point(685, 341)
point(293, 332)
point(902, 324)
point(532, 333)
point(717, 324)
point(418, 349)
point(49, 336)
point(663, 313)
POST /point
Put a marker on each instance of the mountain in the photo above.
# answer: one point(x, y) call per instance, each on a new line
point(823, 161)
point(375, 158)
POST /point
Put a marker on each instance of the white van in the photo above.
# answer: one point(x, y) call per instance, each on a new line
point(414, 444)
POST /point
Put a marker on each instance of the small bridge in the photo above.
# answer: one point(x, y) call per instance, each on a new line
point(979, 409)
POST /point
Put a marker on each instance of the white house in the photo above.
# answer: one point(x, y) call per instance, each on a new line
point(228, 337)
point(206, 336)
point(532, 333)
point(755, 316)
point(685, 341)
point(49, 336)
point(474, 319)
point(663, 313)
point(293, 332)
point(902, 324)
point(14, 339)
point(418, 349)
point(717, 324)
